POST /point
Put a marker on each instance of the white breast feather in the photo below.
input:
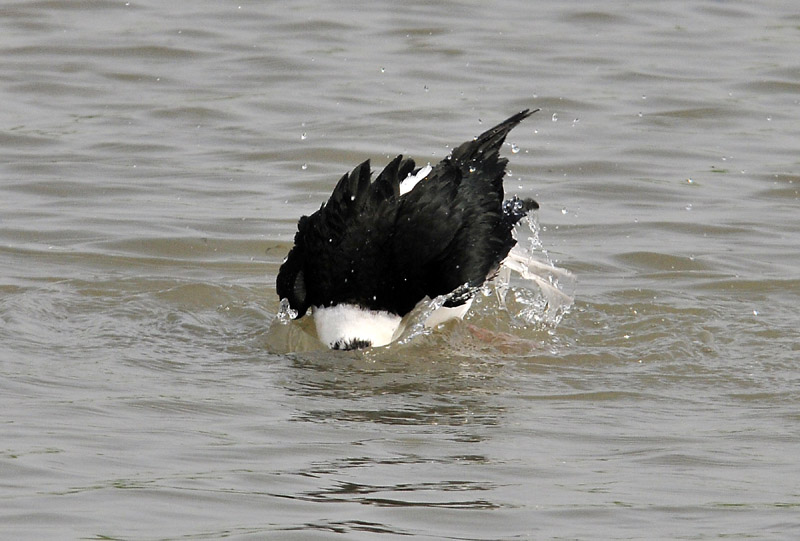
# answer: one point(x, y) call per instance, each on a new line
point(346, 323)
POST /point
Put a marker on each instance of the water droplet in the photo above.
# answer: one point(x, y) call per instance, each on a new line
point(555, 117)
point(303, 136)
point(286, 313)
point(564, 210)
point(471, 168)
point(304, 166)
point(689, 206)
point(514, 149)
point(425, 88)
point(689, 181)
point(383, 70)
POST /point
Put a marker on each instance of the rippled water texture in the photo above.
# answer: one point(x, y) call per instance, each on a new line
point(155, 160)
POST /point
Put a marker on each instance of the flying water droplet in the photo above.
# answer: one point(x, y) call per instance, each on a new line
point(514, 149)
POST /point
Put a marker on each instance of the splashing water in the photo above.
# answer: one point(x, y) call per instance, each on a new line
point(543, 293)
point(530, 290)
point(286, 313)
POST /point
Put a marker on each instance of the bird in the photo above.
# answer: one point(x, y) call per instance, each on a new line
point(377, 248)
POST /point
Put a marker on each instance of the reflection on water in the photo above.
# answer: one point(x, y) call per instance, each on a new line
point(376, 386)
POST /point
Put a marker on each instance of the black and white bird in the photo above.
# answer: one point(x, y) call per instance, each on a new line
point(377, 248)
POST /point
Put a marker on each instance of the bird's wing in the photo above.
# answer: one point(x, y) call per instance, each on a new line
point(327, 264)
point(451, 229)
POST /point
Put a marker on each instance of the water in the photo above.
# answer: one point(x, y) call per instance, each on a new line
point(155, 159)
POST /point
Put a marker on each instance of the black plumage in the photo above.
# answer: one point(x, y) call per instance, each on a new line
point(371, 247)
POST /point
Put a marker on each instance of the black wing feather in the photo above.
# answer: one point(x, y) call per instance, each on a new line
point(467, 233)
point(367, 245)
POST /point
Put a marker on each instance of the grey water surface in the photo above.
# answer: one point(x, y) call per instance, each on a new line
point(154, 160)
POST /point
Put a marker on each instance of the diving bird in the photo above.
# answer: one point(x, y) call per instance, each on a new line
point(376, 249)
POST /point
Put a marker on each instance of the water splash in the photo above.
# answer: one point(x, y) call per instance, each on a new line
point(529, 290)
point(286, 313)
point(414, 322)
point(529, 286)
